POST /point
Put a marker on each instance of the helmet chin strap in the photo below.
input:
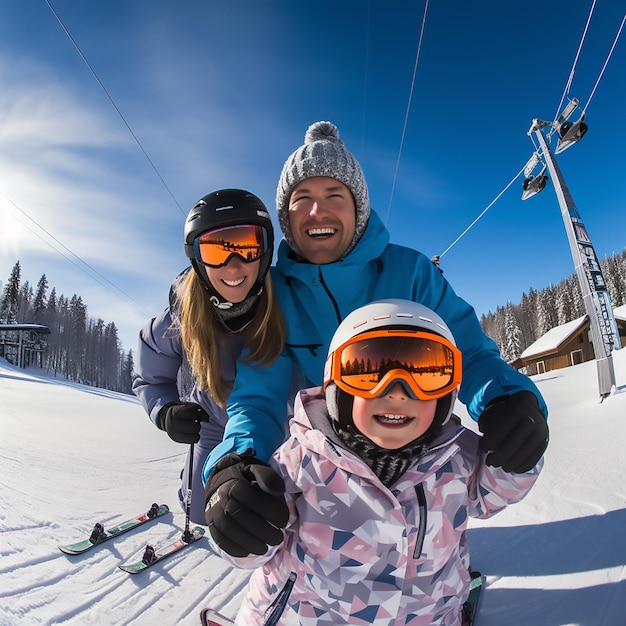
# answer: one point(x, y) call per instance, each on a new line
point(223, 305)
point(225, 308)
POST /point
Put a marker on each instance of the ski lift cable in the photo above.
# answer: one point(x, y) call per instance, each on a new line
point(619, 32)
point(536, 145)
point(565, 92)
point(108, 95)
point(100, 278)
point(365, 75)
point(483, 212)
point(408, 108)
point(575, 63)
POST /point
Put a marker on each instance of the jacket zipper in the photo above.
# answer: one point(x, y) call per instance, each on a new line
point(313, 347)
point(330, 295)
point(421, 531)
point(278, 605)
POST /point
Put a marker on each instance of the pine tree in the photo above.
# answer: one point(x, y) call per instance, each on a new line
point(615, 277)
point(111, 356)
point(39, 304)
point(76, 339)
point(126, 376)
point(546, 318)
point(512, 346)
point(528, 316)
point(564, 304)
point(10, 296)
point(24, 303)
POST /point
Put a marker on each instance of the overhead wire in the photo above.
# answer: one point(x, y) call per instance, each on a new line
point(366, 73)
point(564, 95)
point(82, 264)
point(408, 108)
point(619, 32)
point(108, 95)
point(483, 212)
point(570, 79)
point(95, 274)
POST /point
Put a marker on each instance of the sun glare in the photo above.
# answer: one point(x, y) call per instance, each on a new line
point(12, 232)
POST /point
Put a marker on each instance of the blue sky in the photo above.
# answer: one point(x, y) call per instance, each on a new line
point(219, 94)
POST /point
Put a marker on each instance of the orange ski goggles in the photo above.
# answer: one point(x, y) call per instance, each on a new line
point(216, 247)
point(369, 364)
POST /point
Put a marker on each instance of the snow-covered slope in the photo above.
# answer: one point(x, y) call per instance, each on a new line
point(72, 455)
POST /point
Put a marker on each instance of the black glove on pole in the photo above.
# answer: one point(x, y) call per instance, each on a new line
point(181, 421)
point(515, 432)
point(245, 506)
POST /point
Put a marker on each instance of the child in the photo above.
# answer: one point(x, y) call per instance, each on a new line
point(221, 305)
point(380, 480)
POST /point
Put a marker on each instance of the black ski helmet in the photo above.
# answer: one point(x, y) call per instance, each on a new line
point(390, 314)
point(222, 208)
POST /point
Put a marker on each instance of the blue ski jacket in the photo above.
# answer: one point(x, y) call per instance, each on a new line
point(316, 298)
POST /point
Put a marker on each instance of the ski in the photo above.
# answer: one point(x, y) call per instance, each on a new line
point(209, 617)
point(99, 534)
point(153, 555)
point(470, 606)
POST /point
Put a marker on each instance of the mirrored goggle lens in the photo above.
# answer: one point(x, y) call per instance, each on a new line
point(215, 247)
point(429, 364)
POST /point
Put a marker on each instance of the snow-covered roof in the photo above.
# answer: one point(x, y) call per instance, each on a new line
point(551, 341)
point(39, 327)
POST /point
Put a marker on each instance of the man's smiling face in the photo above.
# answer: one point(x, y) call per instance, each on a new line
point(322, 217)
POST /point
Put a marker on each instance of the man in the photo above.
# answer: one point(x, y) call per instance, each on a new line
point(336, 257)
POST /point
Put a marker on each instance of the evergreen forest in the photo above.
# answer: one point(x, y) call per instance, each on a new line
point(79, 348)
point(89, 351)
point(516, 326)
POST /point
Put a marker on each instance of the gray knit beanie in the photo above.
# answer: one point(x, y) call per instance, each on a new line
point(323, 154)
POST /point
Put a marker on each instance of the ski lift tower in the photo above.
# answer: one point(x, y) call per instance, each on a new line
point(603, 328)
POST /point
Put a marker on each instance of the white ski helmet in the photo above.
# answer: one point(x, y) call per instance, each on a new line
point(384, 314)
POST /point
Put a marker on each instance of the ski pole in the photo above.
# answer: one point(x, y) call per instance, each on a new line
point(187, 533)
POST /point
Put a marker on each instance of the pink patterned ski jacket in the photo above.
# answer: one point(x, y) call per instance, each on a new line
point(356, 552)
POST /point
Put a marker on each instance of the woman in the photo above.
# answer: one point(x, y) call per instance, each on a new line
point(222, 304)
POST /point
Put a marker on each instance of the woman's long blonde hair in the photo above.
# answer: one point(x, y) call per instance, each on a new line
point(202, 332)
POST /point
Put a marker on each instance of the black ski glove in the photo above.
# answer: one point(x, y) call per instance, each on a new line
point(245, 506)
point(515, 432)
point(181, 421)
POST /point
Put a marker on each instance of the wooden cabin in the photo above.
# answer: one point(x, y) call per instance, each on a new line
point(565, 345)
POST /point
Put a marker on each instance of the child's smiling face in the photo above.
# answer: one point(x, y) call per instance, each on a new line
point(394, 419)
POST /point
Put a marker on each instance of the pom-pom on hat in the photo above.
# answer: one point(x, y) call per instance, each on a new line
point(323, 154)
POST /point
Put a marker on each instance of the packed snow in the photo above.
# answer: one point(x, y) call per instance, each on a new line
point(72, 455)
